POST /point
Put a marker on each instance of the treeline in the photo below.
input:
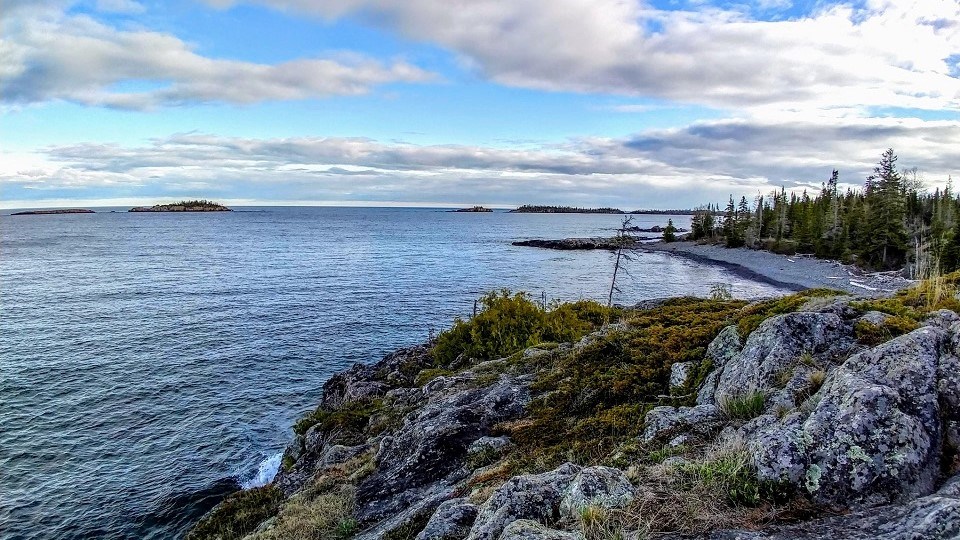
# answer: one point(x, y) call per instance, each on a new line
point(543, 209)
point(892, 223)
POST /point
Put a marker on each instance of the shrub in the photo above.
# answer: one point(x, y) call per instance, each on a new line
point(507, 323)
point(238, 515)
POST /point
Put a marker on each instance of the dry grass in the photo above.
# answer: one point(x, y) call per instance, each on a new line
point(309, 516)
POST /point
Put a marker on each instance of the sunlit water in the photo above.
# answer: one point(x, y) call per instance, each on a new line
point(151, 362)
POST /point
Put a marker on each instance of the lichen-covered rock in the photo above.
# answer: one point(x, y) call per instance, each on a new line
point(596, 486)
point(779, 346)
point(433, 442)
point(680, 374)
point(943, 319)
point(934, 517)
point(876, 318)
point(525, 529)
point(532, 496)
point(362, 381)
point(664, 422)
point(721, 350)
point(451, 521)
point(875, 435)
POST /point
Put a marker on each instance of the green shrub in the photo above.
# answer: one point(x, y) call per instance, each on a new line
point(238, 515)
point(507, 323)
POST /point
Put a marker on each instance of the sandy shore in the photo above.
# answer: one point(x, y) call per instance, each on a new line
point(794, 272)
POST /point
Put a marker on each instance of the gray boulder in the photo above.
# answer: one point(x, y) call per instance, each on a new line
point(596, 486)
point(532, 496)
point(721, 350)
point(778, 346)
point(451, 521)
point(525, 529)
point(664, 423)
point(680, 374)
point(875, 434)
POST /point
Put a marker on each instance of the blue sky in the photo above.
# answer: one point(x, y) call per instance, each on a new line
point(612, 102)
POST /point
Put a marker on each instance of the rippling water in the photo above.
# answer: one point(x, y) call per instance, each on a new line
point(151, 362)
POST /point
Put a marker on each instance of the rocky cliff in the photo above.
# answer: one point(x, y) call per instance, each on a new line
point(812, 416)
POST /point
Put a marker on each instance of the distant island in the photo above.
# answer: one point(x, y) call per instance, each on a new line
point(545, 209)
point(473, 209)
point(58, 211)
point(541, 209)
point(184, 206)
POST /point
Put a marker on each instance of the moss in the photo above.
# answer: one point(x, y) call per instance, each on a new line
point(288, 462)
point(238, 515)
point(872, 335)
point(349, 422)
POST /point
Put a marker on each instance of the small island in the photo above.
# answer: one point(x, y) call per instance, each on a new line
point(184, 206)
point(57, 211)
point(473, 209)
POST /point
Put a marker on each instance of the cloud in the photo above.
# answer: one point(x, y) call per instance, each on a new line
point(880, 53)
point(120, 6)
point(46, 55)
point(702, 162)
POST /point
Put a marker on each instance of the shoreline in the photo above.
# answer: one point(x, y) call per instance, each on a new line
point(796, 273)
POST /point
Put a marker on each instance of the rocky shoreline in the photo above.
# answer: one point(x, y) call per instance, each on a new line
point(802, 407)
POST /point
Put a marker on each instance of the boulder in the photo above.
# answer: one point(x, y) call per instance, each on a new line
point(721, 350)
point(525, 529)
point(782, 345)
point(451, 521)
point(680, 374)
point(596, 486)
point(664, 423)
point(533, 496)
point(874, 436)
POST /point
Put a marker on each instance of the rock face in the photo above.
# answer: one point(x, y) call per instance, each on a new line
point(433, 442)
point(451, 521)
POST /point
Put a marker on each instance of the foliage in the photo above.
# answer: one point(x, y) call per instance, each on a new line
point(752, 316)
point(720, 291)
point(670, 232)
point(874, 334)
point(731, 476)
point(238, 515)
point(508, 323)
point(890, 223)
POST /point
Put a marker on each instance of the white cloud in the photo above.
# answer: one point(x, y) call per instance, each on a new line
point(703, 162)
point(46, 55)
point(883, 53)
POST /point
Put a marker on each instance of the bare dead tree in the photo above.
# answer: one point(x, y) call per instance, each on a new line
point(623, 242)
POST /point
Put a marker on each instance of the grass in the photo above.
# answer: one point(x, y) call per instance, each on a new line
point(238, 515)
point(743, 407)
point(310, 515)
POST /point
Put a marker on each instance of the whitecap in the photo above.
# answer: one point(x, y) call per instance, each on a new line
point(265, 472)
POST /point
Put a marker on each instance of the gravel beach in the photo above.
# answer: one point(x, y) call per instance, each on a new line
point(797, 272)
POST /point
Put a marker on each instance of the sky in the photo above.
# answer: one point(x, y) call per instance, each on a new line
point(632, 104)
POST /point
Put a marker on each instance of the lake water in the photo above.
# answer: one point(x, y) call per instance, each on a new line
point(151, 362)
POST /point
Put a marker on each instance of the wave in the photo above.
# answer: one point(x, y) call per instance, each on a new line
point(265, 472)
